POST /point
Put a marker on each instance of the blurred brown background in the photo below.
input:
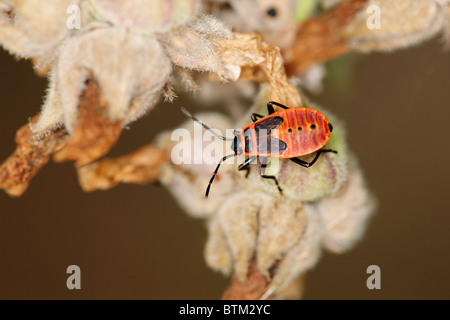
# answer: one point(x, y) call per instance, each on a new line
point(134, 242)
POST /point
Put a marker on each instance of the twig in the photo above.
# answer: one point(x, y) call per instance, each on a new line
point(320, 38)
point(139, 167)
point(93, 137)
point(29, 157)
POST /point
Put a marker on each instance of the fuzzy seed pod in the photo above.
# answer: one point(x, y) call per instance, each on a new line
point(188, 181)
point(385, 25)
point(130, 70)
point(128, 48)
point(145, 16)
point(30, 28)
point(286, 237)
point(345, 214)
point(272, 19)
point(190, 46)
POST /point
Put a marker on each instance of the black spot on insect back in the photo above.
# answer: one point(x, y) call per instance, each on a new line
point(290, 130)
point(330, 127)
point(313, 127)
point(299, 129)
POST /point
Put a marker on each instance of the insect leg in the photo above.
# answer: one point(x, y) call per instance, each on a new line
point(271, 109)
point(263, 169)
point(309, 164)
point(256, 116)
point(246, 165)
point(215, 173)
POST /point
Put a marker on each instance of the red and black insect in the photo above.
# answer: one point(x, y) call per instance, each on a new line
point(287, 134)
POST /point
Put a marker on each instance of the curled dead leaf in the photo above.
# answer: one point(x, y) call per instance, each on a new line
point(256, 60)
point(95, 134)
point(29, 157)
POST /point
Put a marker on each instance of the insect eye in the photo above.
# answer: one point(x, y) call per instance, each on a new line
point(330, 127)
point(272, 12)
point(313, 127)
point(299, 129)
point(290, 130)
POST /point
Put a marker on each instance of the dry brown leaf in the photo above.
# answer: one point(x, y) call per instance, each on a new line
point(140, 167)
point(30, 156)
point(94, 134)
point(259, 61)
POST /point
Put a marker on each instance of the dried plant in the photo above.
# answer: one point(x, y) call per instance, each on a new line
point(250, 222)
point(125, 55)
point(404, 23)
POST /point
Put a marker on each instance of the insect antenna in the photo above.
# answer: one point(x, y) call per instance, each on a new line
point(204, 125)
point(215, 172)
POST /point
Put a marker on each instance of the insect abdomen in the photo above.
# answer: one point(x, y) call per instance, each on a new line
point(304, 130)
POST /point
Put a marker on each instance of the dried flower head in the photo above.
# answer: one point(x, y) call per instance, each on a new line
point(363, 26)
point(127, 47)
point(121, 69)
point(402, 23)
point(191, 46)
point(143, 16)
point(130, 70)
point(30, 29)
point(273, 20)
point(276, 22)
